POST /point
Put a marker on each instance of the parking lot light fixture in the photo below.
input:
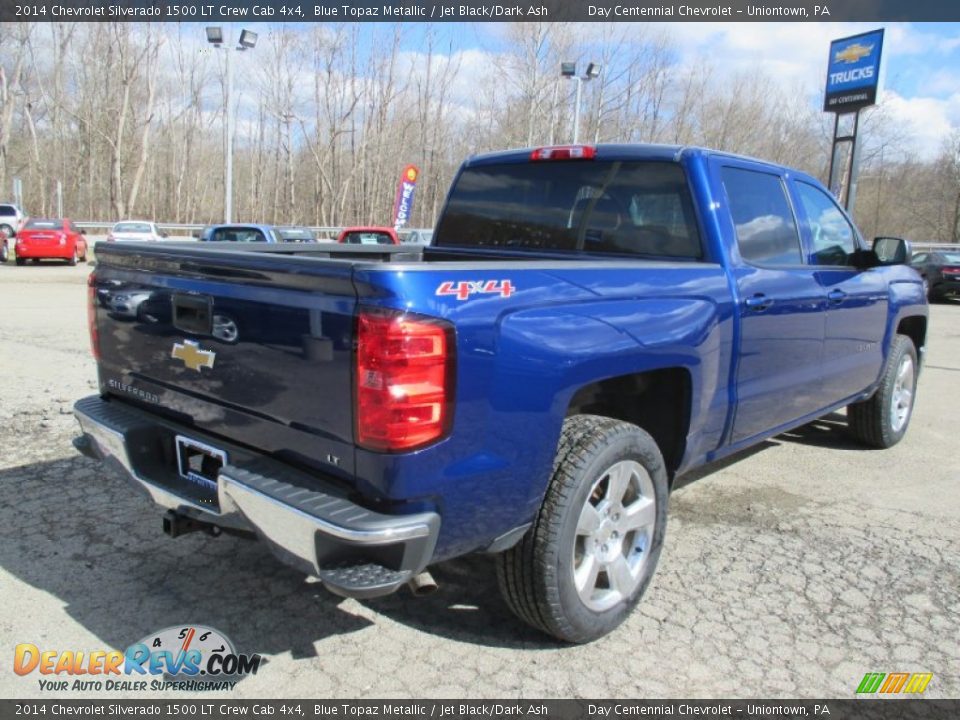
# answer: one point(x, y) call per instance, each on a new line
point(569, 70)
point(248, 41)
point(215, 35)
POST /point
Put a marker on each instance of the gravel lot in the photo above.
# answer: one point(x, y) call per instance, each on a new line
point(790, 572)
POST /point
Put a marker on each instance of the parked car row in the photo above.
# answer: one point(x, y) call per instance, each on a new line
point(255, 232)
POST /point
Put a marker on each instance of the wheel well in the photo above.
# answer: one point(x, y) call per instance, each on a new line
point(657, 401)
point(914, 328)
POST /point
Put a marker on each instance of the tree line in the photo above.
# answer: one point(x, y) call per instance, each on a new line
point(129, 119)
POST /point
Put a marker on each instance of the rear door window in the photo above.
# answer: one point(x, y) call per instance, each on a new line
point(766, 230)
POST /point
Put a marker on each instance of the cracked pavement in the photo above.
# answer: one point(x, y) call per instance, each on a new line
point(788, 572)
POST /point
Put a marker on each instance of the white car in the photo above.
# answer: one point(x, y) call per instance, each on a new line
point(135, 231)
point(12, 219)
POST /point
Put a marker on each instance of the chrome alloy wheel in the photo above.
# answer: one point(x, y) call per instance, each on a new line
point(614, 535)
point(901, 400)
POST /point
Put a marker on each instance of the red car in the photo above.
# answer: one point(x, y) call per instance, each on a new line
point(369, 236)
point(42, 239)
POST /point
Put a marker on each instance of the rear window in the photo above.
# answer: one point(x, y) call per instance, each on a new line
point(951, 257)
point(616, 208)
point(132, 227)
point(237, 235)
point(44, 225)
point(366, 237)
point(293, 234)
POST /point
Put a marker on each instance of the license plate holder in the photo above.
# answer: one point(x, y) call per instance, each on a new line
point(198, 462)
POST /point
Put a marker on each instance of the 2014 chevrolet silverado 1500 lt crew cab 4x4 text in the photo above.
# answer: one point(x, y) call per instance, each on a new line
point(589, 323)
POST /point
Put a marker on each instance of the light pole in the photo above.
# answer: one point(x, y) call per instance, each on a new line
point(248, 41)
point(569, 70)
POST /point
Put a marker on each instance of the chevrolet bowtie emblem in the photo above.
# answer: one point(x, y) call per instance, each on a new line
point(853, 53)
point(193, 357)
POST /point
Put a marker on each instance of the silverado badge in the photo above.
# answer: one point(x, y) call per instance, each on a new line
point(193, 357)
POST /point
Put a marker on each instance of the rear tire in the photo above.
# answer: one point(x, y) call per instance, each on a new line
point(882, 420)
point(74, 259)
point(7, 230)
point(21, 261)
point(4, 250)
point(593, 547)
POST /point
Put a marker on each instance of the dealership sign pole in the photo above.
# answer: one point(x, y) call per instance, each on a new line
point(853, 77)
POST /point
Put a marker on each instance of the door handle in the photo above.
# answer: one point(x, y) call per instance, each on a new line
point(758, 302)
point(836, 296)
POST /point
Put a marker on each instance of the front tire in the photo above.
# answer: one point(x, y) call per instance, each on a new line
point(21, 261)
point(881, 421)
point(593, 548)
point(4, 250)
point(74, 259)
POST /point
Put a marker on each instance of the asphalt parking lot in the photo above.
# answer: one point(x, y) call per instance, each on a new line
point(790, 572)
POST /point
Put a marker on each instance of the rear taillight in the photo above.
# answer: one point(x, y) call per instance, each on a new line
point(565, 152)
point(404, 381)
point(92, 315)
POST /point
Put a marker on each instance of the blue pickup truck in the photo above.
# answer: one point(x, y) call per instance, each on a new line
point(589, 324)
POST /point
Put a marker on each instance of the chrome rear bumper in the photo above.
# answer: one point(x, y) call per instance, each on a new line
point(307, 522)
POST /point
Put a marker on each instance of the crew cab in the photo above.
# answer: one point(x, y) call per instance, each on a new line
point(589, 323)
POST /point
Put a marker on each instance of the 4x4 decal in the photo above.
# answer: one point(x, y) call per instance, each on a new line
point(463, 289)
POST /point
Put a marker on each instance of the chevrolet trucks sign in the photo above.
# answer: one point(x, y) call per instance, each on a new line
point(853, 72)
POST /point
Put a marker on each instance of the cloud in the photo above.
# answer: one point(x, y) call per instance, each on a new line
point(928, 120)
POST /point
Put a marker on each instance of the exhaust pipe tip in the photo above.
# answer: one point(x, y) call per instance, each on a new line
point(422, 584)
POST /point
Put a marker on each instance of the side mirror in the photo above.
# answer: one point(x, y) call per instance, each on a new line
point(892, 251)
point(83, 231)
point(164, 235)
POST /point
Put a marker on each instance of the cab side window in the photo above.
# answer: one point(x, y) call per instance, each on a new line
point(766, 231)
point(834, 241)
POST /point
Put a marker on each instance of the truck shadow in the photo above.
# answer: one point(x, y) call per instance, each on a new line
point(467, 607)
point(84, 536)
point(830, 431)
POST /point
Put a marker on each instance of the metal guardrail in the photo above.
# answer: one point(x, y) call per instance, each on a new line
point(190, 229)
point(933, 247)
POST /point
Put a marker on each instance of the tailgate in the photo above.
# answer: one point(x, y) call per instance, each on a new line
point(255, 348)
